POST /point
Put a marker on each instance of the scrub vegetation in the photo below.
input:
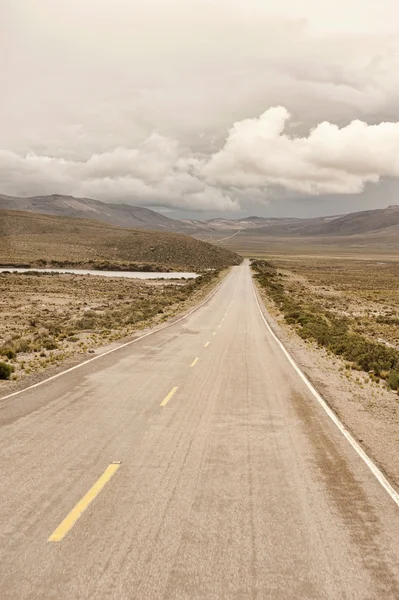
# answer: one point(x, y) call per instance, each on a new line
point(350, 308)
point(36, 240)
point(47, 318)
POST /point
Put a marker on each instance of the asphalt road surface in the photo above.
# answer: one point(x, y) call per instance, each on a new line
point(230, 479)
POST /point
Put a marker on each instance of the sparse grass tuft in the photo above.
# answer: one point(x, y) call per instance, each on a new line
point(6, 370)
point(337, 333)
point(52, 317)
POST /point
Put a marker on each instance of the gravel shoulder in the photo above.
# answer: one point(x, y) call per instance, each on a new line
point(367, 409)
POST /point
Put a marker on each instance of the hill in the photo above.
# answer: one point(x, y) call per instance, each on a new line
point(362, 223)
point(36, 239)
point(358, 223)
point(122, 215)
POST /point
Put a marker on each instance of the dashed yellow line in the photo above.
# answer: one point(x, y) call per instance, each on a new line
point(194, 362)
point(66, 525)
point(214, 333)
point(169, 396)
point(207, 344)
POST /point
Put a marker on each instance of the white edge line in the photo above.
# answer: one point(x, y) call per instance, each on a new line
point(363, 455)
point(86, 362)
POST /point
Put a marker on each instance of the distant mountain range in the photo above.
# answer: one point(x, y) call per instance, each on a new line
point(122, 215)
point(363, 222)
point(378, 221)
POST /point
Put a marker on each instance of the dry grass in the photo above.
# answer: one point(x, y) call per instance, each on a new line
point(364, 247)
point(45, 319)
point(365, 291)
point(351, 308)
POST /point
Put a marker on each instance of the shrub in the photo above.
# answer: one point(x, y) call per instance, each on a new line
point(23, 345)
point(5, 370)
point(393, 380)
point(334, 333)
point(8, 352)
point(72, 338)
point(49, 343)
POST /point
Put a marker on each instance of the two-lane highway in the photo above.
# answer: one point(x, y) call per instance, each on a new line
point(195, 463)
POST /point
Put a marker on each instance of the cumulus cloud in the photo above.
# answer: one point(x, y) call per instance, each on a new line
point(258, 155)
point(157, 172)
point(131, 101)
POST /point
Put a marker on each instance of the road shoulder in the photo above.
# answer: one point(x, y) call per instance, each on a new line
point(369, 412)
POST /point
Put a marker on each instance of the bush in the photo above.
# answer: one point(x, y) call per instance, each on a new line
point(23, 345)
point(49, 343)
point(393, 380)
point(72, 338)
point(5, 370)
point(8, 352)
point(333, 333)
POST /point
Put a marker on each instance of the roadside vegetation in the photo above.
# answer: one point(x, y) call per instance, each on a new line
point(350, 310)
point(47, 318)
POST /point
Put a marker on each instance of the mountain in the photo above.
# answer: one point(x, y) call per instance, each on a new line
point(122, 215)
point(39, 240)
point(363, 222)
point(358, 223)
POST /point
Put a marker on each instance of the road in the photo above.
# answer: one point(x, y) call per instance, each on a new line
point(228, 237)
point(233, 482)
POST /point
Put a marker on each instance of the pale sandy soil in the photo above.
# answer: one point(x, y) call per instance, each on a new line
point(368, 409)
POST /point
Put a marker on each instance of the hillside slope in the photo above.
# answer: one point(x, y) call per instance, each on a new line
point(122, 215)
point(36, 239)
point(363, 222)
point(358, 223)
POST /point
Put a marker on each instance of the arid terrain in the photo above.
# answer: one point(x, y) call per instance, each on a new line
point(340, 319)
point(40, 240)
point(360, 294)
point(47, 319)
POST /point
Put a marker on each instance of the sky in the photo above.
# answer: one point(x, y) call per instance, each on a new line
point(202, 107)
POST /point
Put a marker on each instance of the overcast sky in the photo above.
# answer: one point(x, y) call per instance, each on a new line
point(202, 106)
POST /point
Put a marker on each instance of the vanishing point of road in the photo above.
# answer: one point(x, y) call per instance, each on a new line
point(194, 463)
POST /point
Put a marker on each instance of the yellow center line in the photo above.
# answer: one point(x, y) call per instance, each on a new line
point(66, 525)
point(169, 396)
point(214, 333)
point(194, 362)
point(207, 344)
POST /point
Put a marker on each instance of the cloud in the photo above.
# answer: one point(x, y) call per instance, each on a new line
point(156, 173)
point(91, 76)
point(258, 155)
point(131, 101)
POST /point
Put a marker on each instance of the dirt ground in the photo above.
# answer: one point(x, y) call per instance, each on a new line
point(366, 290)
point(47, 320)
point(368, 293)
